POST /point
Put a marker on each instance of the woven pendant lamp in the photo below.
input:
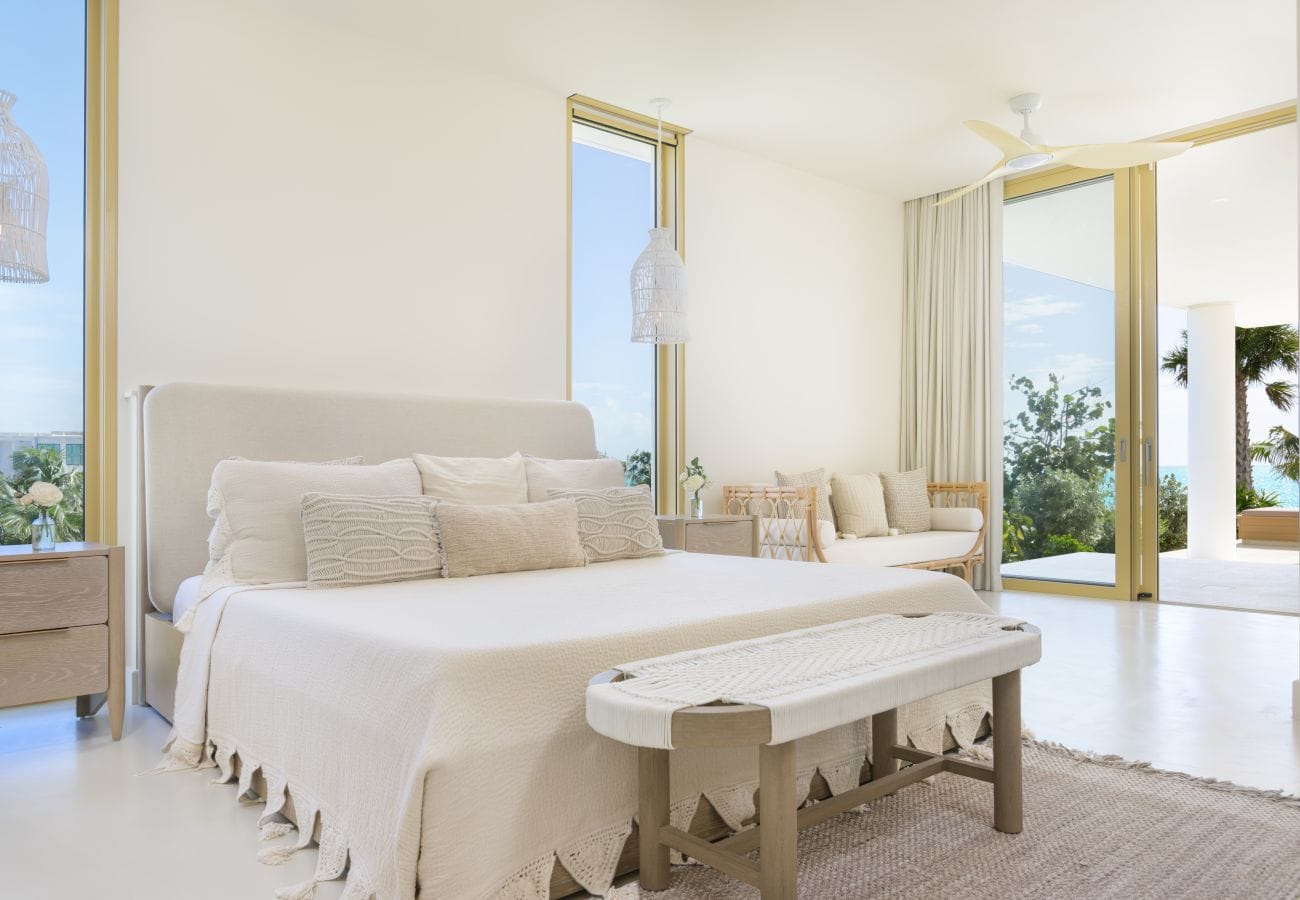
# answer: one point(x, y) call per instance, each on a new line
point(24, 202)
point(659, 275)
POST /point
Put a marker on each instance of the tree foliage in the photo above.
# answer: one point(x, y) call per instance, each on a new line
point(1281, 451)
point(636, 468)
point(33, 464)
point(1066, 431)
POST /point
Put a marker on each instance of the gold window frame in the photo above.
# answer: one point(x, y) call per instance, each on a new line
point(670, 359)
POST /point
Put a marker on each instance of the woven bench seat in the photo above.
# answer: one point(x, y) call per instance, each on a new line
point(769, 692)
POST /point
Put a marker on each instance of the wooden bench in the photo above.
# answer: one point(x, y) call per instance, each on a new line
point(770, 691)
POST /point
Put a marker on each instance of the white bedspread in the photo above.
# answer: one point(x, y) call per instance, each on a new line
point(439, 726)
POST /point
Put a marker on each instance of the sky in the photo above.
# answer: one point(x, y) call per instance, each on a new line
point(42, 62)
point(613, 209)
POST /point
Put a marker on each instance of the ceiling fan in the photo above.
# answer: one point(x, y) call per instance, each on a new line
point(1028, 151)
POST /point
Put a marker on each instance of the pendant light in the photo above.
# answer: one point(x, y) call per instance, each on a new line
point(24, 203)
point(659, 275)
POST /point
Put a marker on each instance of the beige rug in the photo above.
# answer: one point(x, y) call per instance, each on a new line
point(1094, 827)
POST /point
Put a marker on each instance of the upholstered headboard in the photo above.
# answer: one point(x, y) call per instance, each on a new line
point(186, 429)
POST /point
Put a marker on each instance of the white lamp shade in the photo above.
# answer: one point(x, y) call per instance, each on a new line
point(659, 293)
point(24, 203)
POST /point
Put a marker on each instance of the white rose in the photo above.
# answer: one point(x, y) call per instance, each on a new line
point(24, 500)
point(42, 493)
point(693, 483)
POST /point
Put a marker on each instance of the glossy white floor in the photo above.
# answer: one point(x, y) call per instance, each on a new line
point(1198, 690)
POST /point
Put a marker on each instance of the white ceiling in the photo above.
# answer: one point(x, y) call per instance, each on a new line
point(871, 93)
point(1227, 226)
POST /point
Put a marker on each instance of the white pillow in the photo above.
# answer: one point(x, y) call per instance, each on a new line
point(546, 475)
point(956, 518)
point(616, 523)
point(474, 480)
point(257, 537)
point(859, 502)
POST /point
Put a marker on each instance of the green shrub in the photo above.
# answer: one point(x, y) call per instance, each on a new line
point(1060, 503)
point(1060, 544)
point(1171, 504)
point(1249, 498)
point(1015, 528)
point(1106, 544)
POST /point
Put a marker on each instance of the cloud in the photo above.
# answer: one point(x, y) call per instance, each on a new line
point(1025, 345)
point(1037, 308)
point(1078, 369)
point(1029, 328)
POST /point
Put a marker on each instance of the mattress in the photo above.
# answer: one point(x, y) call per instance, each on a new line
point(187, 595)
point(901, 549)
point(438, 727)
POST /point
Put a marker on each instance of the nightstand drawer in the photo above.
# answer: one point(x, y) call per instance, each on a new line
point(726, 538)
point(56, 593)
point(49, 665)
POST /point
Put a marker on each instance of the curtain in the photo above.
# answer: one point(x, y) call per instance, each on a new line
point(952, 349)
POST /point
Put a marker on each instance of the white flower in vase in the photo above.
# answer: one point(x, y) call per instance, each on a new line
point(43, 494)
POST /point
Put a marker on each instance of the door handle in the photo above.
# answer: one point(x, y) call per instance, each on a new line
point(1123, 449)
point(1147, 454)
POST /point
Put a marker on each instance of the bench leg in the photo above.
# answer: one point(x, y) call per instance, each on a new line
point(884, 734)
point(1008, 815)
point(652, 771)
point(778, 821)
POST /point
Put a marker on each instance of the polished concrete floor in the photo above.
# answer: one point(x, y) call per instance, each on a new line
point(1203, 691)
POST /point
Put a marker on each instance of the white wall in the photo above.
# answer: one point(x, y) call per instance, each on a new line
point(302, 206)
point(795, 316)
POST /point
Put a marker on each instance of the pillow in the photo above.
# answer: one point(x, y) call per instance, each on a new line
point(369, 540)
point(956, 518)
point(257, 508)
point(907, 502)
point(473, 479)
point(859, 503)
point(486, 539)
point(616, 523)
point(812, 478)
point(548, 475)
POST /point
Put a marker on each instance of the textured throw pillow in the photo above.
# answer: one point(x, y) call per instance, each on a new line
point(859, 503)
point(486, 539)
point(547, 475)
point(907, 501)
point(369, 540)
point(472, 479)
point(812, 478)
point(616, 523)
point(257, 510)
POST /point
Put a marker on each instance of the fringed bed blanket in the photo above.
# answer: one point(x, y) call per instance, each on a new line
point(437, 728)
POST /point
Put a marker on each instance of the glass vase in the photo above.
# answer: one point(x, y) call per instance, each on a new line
point(697, 507)
point(43, 533)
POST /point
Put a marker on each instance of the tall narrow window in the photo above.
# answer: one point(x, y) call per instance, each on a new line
point(633, 390)
point(42, 339)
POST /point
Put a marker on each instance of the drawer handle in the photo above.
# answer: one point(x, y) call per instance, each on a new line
point(36, 631)
point(36, 562)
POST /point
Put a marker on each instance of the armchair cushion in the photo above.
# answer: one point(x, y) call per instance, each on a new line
point(956, 518)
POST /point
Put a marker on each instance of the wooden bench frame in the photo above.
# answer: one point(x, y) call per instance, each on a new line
point(800, 504)
point(779, 818)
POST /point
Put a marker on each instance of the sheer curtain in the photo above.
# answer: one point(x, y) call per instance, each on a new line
point(952, 348)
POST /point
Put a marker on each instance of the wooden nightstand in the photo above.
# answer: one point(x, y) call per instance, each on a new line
point(727, 535)
point(62, 628)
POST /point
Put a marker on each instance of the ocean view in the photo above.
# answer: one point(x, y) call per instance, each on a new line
point(1288, 492)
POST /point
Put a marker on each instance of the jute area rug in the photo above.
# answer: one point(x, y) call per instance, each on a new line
point(1094, 827)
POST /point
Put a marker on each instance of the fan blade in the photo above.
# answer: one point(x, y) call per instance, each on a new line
point(1008, 143)
point(1118, 156)
point(996, 172)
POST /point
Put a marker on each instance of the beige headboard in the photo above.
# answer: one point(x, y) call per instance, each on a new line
point(186, 429)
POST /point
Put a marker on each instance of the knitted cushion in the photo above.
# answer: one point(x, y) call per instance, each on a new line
point(859, 504)
point(907, 500)
point(369, 540)
point(812, 478)
point(483, 540)
point(616, 523)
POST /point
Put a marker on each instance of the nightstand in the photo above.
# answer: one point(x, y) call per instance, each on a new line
point(726, 535)
point(62, 628)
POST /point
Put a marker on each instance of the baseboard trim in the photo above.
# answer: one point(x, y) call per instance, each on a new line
point(1295, 699)
point(137, 689)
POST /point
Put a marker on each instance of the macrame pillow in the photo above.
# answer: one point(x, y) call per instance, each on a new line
point(616, 523)
point(812, 478)
point(369, 540)
point(548, 475)
point(486, 539)
point(907, 500)
point(859, 503)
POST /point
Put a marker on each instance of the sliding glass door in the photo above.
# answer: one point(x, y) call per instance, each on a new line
point(1066, 364)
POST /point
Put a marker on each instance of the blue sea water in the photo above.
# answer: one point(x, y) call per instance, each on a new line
point(1288, 492)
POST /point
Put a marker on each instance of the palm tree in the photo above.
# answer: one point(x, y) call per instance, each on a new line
point(1281, 451)
point(32, 464)
point(1260, 351)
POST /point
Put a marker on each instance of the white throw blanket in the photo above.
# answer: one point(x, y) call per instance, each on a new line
point(438, 727)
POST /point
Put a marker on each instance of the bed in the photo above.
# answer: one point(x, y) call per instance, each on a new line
point(431, 734)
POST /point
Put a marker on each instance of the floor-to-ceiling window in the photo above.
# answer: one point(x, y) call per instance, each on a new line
point(43, 318)
point(618, 172)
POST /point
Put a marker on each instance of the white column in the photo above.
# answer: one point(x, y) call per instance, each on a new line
point(1212, 432)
